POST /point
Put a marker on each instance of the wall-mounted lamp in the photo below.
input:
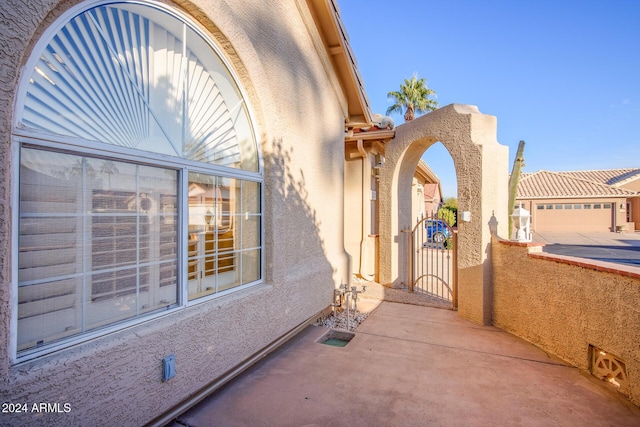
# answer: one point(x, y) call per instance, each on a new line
point(375, 170)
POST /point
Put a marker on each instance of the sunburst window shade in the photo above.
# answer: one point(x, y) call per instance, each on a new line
point(138, 77)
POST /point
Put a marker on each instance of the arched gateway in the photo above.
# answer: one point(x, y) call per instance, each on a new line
point(481, 165)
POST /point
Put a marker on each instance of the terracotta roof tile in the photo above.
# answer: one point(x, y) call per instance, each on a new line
point(430, 190)
point(614, 177)
point(546, 184)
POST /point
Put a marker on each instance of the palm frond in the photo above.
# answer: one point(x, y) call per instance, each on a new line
point(414, 94)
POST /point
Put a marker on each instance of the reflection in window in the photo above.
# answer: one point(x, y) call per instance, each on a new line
point(224, 233)
point(98, 243)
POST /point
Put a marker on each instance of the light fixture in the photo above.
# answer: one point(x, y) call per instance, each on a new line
point(207, 218)
point(521, 218)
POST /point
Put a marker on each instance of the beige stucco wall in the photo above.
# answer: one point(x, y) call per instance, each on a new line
point(563, 307)
point(482, 174)
point(360, 215)
point(635, 213)
point(299, 112)
point(417, 200)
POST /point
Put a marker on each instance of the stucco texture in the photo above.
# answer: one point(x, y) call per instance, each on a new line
point(299, 111)
point(482, 174)
point(566, 305)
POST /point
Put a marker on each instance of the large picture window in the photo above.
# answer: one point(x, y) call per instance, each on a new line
point(139, 180)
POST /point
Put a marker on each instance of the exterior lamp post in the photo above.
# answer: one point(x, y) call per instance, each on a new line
point(521, 221)
point(207, 219)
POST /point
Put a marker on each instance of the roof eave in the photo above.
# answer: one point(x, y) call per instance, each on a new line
point(327, 17)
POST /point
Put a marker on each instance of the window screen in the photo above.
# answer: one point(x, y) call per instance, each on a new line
point(97, 244)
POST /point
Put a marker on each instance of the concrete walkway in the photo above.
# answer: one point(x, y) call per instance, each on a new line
point(413, 366)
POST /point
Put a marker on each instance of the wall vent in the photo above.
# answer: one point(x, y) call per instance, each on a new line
point(610, 368)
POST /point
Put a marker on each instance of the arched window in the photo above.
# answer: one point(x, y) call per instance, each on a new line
point(139, 181)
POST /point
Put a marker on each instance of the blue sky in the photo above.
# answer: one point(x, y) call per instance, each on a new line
point(562, 75)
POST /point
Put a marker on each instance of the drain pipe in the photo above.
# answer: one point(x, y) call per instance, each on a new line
point(363, 153)
point(344, 289)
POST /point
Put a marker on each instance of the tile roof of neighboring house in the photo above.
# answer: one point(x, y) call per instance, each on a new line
point(430, 190)
point(614, 177)
point(546, 184)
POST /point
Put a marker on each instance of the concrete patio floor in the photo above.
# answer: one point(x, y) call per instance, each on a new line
point(413, 366)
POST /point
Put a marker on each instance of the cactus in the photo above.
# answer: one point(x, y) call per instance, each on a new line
point(514, 178)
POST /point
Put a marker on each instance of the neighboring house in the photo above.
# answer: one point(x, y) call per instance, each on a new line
point(432, 197)
point(431, 188)
point(172, 184)
point(426, 191)
point(582, 201)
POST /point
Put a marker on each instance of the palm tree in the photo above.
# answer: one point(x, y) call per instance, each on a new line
point(414, 97)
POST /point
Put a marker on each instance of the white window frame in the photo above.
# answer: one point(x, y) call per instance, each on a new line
point(21, 135)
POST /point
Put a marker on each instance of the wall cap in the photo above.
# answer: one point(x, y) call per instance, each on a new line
point(607, 267)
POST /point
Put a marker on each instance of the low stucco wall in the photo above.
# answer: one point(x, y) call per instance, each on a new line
point(565, 304)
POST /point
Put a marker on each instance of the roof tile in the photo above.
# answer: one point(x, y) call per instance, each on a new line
point(602, 183)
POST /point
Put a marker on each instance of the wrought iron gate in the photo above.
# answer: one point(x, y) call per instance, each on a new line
point(433, 261)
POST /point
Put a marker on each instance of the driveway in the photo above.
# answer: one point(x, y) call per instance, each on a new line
point(619, 248)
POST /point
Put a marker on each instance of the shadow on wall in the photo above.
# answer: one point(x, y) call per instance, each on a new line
point(295, 251)
point(294, 71)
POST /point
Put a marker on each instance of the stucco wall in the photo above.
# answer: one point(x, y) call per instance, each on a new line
point(635, 213)
point(564, 304)
point(299, 110)
point(482, 174)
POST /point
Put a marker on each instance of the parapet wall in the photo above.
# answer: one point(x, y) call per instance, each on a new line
point(585, 312)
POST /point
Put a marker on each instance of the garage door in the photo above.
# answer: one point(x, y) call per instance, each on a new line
point(573, 217)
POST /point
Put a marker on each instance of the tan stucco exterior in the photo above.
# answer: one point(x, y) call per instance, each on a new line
point(564, 305)
point(481, 169)
point(299, 108)
point(361, 214)
point(362, 220)
point(562, 214)
point(327, 200)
